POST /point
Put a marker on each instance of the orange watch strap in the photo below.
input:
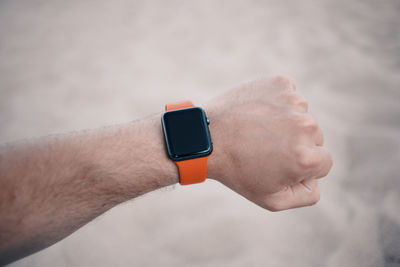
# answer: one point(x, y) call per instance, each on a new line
point(191, 171)
point(179, 105)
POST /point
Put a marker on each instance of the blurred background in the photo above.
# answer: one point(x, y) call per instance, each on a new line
point(71, 65)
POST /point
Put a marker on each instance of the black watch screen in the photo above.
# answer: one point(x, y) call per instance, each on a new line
point(186, 133)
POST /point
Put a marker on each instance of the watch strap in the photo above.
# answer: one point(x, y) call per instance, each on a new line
point(179, 105)
point(191, 171)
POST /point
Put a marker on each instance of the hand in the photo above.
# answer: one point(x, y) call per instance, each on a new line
point(266, 146)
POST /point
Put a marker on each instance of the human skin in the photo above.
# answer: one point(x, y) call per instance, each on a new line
point(266, 148)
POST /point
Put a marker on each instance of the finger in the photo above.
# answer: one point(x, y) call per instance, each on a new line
point(319, 137)
point(325, 162)
point(304, 193)
point(283, 82)
point(313, 135)
point(295, 101)
point(302, 104)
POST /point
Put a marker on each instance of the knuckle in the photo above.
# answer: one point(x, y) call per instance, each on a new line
point(329, 167)
point(320, 137)
point(306, 160)
point(297, 99)
point(307, 121)
point(302, 102)
point(312, 125)
point(293, 98)
point(283, 81)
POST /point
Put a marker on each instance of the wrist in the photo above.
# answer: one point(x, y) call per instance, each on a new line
point(133, 158)
point(162, 170)
point(215, 160)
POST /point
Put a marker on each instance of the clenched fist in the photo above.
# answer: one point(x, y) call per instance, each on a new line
point(266, 146)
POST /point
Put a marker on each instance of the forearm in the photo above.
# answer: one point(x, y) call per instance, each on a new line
point(51, 187)
point(266, 147)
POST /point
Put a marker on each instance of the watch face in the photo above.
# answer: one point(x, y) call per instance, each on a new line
point(186, 133)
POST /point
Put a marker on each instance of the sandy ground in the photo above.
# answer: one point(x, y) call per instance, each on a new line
point(70, 65)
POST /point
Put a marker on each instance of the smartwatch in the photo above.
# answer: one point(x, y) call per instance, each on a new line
point(188, 140)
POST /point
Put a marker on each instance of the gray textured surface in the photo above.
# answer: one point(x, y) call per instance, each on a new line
point(69, 65)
